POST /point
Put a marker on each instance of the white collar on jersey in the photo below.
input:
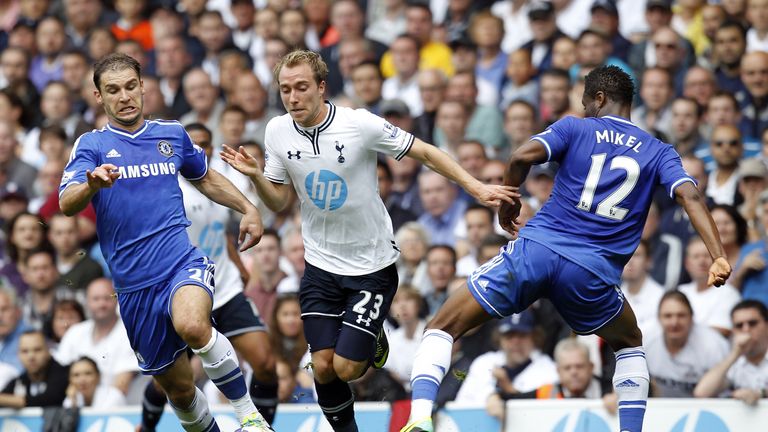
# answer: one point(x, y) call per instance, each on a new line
point(618, 119)
point(323, 124)
point(126, 133)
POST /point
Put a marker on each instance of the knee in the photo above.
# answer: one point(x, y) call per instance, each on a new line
point(348, 370)
point(322, 369)
point(263, 365)
point(195, 333)
point(181, 395)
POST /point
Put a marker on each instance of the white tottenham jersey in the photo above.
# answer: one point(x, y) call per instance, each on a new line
point(345, 225)
point(208, 232)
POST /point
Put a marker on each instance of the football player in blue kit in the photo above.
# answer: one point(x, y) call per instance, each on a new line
point(128, 170)
point(574, 249)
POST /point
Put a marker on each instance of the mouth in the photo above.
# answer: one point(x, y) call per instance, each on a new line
point(128, 110)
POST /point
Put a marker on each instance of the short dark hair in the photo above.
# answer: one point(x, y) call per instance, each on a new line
point(53, 130)
point(233, 108)
point(751, 304)
point(557, 73)
point(734, 24)
point(612, 81)
point(41, 250)
point(387, 171)
point(270, 232)
point(419, 5)
point(114, 62)
point(494, 239)
point(372, 63)
point(481, 208)
point(91, 362)
point(699, 108)
point(444, 247)
point(727, 95)
point(525, 103)
point(197, 126)
point(676, 295)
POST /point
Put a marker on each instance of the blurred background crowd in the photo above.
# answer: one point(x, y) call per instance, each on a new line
point(477, 79)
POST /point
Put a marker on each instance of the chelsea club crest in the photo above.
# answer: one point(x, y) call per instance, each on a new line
point(165, 148)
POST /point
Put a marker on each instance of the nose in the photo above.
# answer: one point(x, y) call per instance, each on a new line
point(124, 95)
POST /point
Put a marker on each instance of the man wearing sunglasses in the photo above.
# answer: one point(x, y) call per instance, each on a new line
point(727, 150)
point(745, 370)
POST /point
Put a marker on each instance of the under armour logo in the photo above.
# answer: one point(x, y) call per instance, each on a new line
point(339, 148)
point(361, 320)
point(297, 155)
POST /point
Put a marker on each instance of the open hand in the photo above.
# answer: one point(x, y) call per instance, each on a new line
point(103, 176)
point(719, 272)
point(240, 160)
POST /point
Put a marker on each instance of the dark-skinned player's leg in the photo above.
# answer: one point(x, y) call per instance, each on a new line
point(631, 379)
point(460, 313)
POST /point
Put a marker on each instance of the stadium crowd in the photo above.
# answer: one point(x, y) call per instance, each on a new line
point(477, 78)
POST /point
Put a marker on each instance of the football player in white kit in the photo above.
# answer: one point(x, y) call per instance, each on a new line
point(329, 155)
point(234, 315)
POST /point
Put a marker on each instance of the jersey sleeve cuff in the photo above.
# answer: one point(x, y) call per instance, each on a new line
point(205, 171)
point(546, 146)
point(678, 183)
point(71, 183)
point(274, 179)
point(407, 148)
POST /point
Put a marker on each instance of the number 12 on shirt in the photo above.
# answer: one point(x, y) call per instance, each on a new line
point(609, 208)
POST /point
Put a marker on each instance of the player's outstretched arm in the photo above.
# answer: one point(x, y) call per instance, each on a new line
point(276, 196)
point(695, 205)
point(439, 162)
point(520, 162)
point(220, 190)
point(76, 197)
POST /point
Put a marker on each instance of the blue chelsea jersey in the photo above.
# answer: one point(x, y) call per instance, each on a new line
point(609, 169)
point(141, 223)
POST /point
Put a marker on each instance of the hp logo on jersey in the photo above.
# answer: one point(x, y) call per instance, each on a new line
point(326, 189)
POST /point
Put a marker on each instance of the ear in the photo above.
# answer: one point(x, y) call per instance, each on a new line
point(141, 84)
point(321, 87)
point(600, 98)
point(97, 94)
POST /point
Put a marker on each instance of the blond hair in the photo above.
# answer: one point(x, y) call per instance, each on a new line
point(297, 57)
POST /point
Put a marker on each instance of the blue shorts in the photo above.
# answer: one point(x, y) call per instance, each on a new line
point(345, 312)
point(237, 316)
point(146, 314)
point(525, 271)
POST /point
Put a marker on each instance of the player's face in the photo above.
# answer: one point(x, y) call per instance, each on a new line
point(301, 95)
point(676, 321)
point(121, 94)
